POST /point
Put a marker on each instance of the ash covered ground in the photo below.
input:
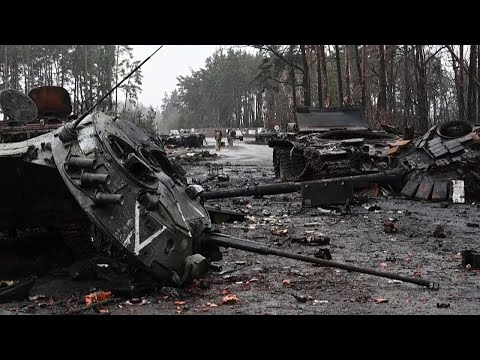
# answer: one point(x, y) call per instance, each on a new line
point(411, 238)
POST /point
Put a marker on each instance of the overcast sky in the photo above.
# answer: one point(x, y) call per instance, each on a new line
point(161, 71)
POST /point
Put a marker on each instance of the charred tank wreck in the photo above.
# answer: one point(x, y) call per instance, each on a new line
point(109, 173)
point(333, 143)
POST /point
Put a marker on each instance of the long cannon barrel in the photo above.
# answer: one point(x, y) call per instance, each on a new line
point(252, 246)
point(387, 177)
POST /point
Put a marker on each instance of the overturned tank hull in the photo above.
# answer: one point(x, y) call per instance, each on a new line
point(113, 176)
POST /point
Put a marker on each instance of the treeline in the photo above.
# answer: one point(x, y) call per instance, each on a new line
point(223, 93)
point(400, 85)
point(88, 72)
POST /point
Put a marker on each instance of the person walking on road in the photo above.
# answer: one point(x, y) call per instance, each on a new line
point(218, 138)
point(231, 137)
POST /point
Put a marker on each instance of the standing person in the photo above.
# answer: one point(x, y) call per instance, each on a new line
point(218, 138)
point(232, 134)
point(229, 139)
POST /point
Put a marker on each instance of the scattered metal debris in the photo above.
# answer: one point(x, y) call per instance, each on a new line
point(472, 258)
point(389, 226)
point(219, 216)
point(443, 305)
point(439, 232)
point(323, 254)
point(16, 290)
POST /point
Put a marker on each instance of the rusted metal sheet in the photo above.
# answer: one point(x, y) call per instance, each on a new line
point(51, 101)
point(440, 191)
point(424, 190)
point(410, 188)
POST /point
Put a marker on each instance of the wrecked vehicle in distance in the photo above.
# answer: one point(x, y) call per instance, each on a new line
point(442, 164)
point(330, 142)
point(183, 138)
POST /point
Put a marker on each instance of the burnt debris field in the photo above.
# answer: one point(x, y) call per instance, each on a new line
point(420, 239)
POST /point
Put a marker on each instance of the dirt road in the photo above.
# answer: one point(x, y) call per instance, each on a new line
point(242, 152)
point(272, 285)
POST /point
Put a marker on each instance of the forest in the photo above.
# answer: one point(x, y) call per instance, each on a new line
point(399, 85)
point(87, 72)
point(261, 85)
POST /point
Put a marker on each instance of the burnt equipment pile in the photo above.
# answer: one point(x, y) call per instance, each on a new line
point(328, 143)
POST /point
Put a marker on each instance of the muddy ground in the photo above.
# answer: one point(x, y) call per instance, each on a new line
point(272, 285)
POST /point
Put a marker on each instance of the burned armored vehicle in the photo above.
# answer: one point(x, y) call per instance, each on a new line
point(331, 142)
point(46, 108)
point(442, 164)
point(336, 144)
point(105, 182)
point(184, 138)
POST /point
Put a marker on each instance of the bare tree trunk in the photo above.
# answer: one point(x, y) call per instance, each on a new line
point(347, 76)
point(366, 84)
point(5, 75)
point(457, 81)
point(391, 81)
point(5, 69)
point(323, 60)
point(447, 111)
point(116, 77)
point(85, 77)
point(422, 101)
point(382, 88)
point(478, 84)
point(293, 82)
point(319, 77)
point(339, 76)
point(306, 87)
point(360, 76)
point(461, 104)
point(408, 101)
point(75, 105)
point(472, 93)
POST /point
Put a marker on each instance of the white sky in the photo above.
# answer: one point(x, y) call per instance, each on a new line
point(161, 71)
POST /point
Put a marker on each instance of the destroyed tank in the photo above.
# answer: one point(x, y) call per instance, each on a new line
point(46, 108)
point(184, 138)
point(110, 177)
point(114, 183)
point(443, 164)
point(327, 143)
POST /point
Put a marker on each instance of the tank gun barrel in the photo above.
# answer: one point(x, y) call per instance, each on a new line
point(387, 177)
point(252, 246)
